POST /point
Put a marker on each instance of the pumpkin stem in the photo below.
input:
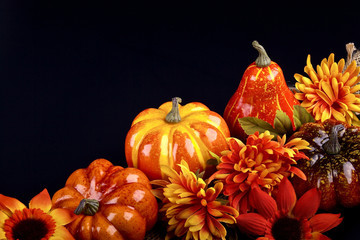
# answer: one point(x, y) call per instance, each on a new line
point(174, 115)
point(263, 59)
point(87, 207)
point(332, 146)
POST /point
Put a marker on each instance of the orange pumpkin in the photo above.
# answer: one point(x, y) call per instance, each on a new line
point(172, 133)
point(261, 92)
point(112, 202)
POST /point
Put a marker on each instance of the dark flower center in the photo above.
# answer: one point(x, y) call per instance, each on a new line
point(287, 229)
point(30, 229)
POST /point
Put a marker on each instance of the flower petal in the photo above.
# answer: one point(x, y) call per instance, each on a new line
point(8, 204)
point(286, 197)
point(325, 221)
point(42, 201)
point(62, 216)
point(252, 223)
point(3, 217)
point(319, 236)
point(215, 227)
point(298, 172)
point(262, 202)
point(61, 233)
point(308, 204)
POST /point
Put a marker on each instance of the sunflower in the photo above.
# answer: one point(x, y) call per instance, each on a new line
point(262, 161)
point(192, 208)
point(38, 222)
point(286, 217)
point(330, 91)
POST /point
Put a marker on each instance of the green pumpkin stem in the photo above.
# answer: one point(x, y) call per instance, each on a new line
point(87, 207)
point(174, 115)
point(263, 59)
point(332, 146)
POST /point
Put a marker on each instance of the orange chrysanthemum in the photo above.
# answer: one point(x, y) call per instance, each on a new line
point(192, 208)
point(261, 161)
point(287, 217)
point(38, 222)
point(330, 92)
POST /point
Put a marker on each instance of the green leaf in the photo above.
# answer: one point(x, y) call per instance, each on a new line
point(216, 157)
point(282, 123)
point(250, 125)
point(301, 116)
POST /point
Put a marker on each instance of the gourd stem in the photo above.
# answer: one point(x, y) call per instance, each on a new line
point(263, 59)
point(174, 115)
point(332, 146)
point(87, 207)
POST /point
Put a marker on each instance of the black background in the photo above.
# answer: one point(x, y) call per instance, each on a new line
point(74, 75)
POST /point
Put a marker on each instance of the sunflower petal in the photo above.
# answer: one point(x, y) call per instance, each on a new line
point(263, 203)
point(8, 204)
point(42, 201)
point(62, 216)
point(308, 204)
point(319, 236)
point(325, 221)
point(252, 223)
point(286, 197)
point(3, 217)
point(61, 233)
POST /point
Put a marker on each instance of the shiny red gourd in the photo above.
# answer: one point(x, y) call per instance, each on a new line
point(334, 165)
point(261, 92)
point(111, 202)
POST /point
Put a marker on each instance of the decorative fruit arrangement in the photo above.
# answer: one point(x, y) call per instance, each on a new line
point(297, 152)
point(261, 92)
point(172, 133)
point(111, 202)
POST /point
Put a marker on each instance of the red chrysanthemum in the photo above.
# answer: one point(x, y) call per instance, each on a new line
point(261, 162)
point(287, 217)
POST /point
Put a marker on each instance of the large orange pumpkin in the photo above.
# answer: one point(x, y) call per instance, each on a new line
point(172, 133)
point(112, 202)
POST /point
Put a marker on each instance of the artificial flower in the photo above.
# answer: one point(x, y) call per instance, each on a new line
point(262, 161)
point(38, 222)
point(286, 217)
point(330, 91)
point(192, 208)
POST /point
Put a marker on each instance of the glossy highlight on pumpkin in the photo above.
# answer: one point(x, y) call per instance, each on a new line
point(127, 208)
point(152, 141)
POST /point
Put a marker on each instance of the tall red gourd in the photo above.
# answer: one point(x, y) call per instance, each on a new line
point(261, 92)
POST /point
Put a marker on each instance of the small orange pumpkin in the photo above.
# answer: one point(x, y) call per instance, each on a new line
point(172, 133)
point(112, 202)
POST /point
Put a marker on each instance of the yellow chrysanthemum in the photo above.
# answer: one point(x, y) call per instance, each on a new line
point(192, 208)
point(330, 91)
